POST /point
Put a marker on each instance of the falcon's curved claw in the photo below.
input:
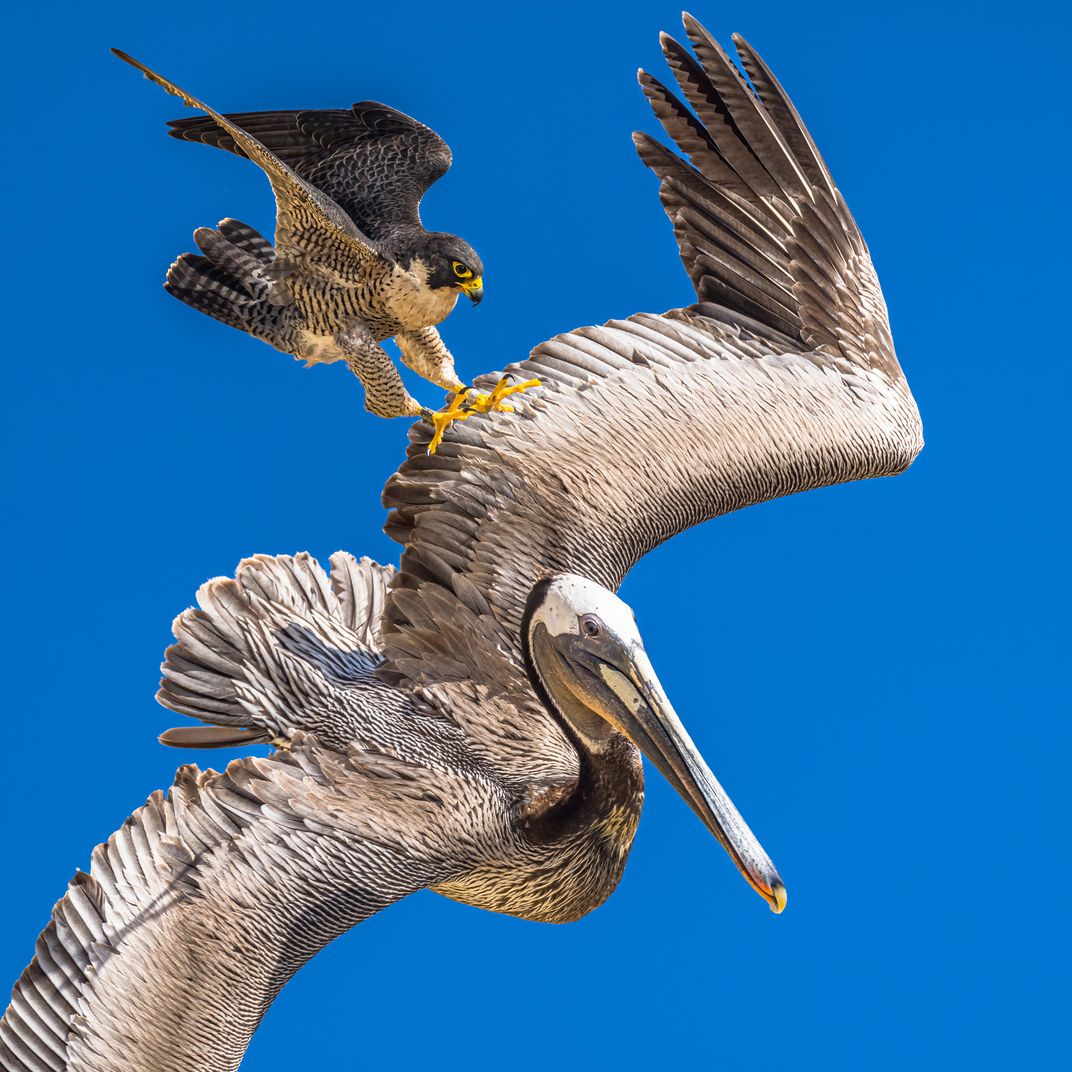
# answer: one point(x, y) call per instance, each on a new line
point(440, 420)
point(503, 389)
point(459, 410)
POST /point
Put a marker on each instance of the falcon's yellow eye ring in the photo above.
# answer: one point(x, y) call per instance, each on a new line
point(460, 270)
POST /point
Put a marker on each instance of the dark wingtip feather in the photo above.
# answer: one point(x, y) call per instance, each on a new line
point(657, 156)
point(179, 128)
point(646, 146)
point(692, 24)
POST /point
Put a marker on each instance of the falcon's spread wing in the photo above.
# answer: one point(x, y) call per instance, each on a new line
point(780, 379)
point(307, 219)
point(373, 161)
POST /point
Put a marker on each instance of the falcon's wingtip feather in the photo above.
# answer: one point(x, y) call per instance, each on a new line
point(165, 84)
point(149, 73)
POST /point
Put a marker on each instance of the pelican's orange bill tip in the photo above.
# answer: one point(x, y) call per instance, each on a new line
point(779, 899)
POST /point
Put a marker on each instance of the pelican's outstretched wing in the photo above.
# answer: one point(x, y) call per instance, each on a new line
point(306, 217)
point(781, 378)
point(202, 905)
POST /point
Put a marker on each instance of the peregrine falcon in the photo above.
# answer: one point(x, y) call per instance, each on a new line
point(352, 264)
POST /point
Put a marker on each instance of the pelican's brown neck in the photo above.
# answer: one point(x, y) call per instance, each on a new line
point(610, 788)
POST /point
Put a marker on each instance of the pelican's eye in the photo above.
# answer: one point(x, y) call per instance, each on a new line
point(460, 270)
point(591, 626)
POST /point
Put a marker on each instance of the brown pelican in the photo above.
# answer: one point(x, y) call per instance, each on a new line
point(473, 723)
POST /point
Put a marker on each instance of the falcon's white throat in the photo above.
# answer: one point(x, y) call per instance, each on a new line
point(413, 302)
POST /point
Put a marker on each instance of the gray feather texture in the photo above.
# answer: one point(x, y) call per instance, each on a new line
point(781, 378)
point(415, 752)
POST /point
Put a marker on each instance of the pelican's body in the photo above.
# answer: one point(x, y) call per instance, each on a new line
point(474, 722)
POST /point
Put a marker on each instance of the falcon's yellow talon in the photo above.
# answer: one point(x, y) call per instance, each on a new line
point(457, 410)
point(446, 417)
point(503, 389)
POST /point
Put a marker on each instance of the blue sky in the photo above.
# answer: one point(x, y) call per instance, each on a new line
point(875, 671)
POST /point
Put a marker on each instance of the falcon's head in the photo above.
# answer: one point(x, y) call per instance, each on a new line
point(452, 262)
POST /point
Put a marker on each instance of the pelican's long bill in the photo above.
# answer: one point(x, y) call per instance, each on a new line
point(651, 723)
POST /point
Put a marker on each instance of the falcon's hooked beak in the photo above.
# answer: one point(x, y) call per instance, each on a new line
point(473, 289)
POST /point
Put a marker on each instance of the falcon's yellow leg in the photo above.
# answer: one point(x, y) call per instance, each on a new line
point(503, 389)
point(442, 419)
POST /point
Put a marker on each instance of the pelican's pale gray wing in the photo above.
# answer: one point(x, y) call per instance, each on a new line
point(307, 219)
point(202, 905)
point(375, 162)
point(780, 379)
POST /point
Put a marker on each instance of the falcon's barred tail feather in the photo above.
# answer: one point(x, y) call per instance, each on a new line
point(241, 266)
point(246, 238)
point(228, 284)
point(199, 283)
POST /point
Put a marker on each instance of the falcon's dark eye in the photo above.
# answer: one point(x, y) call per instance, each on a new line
point(591, 626)
point(460, 270)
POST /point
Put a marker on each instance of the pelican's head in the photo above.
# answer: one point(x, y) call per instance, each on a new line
point(585, 653)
